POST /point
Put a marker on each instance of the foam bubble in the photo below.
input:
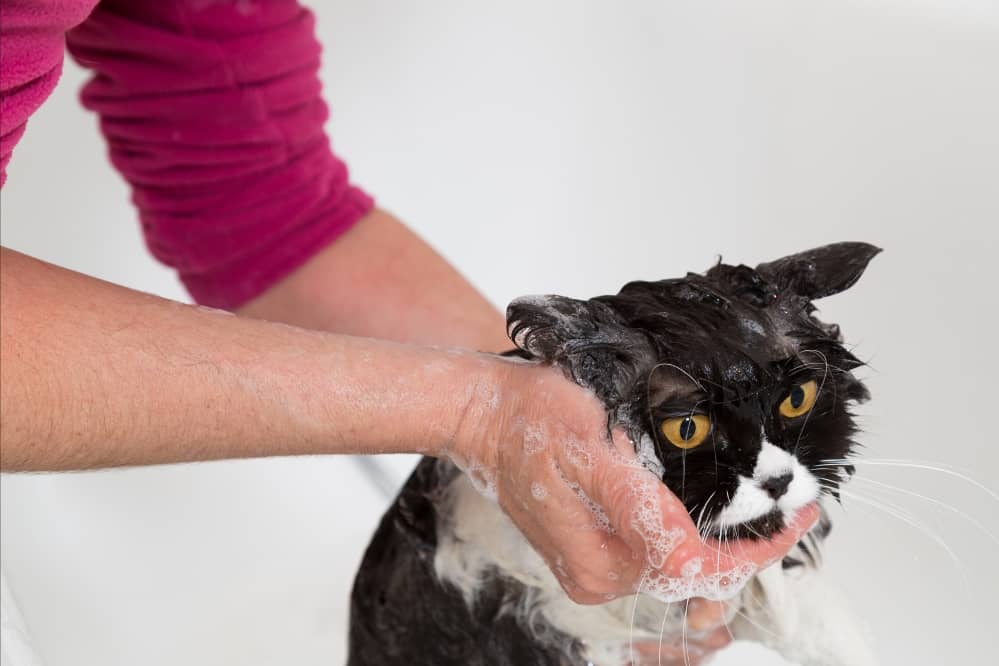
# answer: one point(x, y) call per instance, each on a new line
point(484, 481)
point(577, 454)
point(597, 511)
point(716, 587)
point(647, 520)
point(691, 567)
point(534, 440)
point(438, 366)
point(646, 452)
point(538, 491)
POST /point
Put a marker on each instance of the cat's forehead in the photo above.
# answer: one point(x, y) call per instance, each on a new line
point(733, 327)
point(710, 318)
point(711, 337)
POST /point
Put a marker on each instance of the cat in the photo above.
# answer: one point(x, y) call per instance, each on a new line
point(741, 397)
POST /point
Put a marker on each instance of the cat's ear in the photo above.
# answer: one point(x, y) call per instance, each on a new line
point(821, 272)
point(585, 338)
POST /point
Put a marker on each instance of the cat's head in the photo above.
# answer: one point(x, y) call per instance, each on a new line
point(742, 393)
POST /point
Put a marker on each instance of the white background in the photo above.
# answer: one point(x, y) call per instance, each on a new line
point(570, 147)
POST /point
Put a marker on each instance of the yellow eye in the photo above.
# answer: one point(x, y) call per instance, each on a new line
point(686, 432)
point(800, 400)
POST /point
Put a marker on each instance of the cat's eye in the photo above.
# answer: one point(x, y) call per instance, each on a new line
point(800, 400)
point(686, 432)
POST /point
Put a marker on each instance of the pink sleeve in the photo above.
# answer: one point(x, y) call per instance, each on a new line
point(212, 112)
point(32, 38)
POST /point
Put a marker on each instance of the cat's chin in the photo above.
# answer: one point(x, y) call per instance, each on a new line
point(761, 527)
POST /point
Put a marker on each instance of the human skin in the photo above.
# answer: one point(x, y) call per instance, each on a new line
point(96, 375)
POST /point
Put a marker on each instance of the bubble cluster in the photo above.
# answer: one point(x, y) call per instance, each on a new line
point(648, 521)
point(438, 366)
point(538, 491)
point(691, 567)
point(534, 440)
point(716, 587)
point(599, 515)
point(646, 452)
point(577, 454)
point(483, 480)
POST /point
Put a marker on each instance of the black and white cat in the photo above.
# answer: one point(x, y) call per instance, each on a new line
point(740, 397)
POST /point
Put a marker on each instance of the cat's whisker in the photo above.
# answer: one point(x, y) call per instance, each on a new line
point(683, 632)
point(866, 511)
point(748, 588)
point(934, 501)
point(814, 365)
point(912, 464)
point(721, 540)
point(700, 518)
point(818, 392)
point(662, 633)
point(760, 604)
point(756, 625)
point(714, 452)
point(683, 475)
point(907, 518)
point(634, 612)
point(728, 627)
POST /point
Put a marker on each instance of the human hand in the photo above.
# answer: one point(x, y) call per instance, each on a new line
point(606, 526)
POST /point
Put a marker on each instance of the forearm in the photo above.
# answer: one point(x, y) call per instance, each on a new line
point(98, 375)
point(381, 280)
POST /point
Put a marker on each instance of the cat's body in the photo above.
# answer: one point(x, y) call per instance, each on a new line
point(738, 396)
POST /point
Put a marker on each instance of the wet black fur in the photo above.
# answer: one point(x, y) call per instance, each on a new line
point(401, 613)
point(730, 344)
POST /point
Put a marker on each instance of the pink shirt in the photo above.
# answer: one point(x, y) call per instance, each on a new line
point(212, 112)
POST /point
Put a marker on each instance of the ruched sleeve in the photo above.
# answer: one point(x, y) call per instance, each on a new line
point(212, 111)
point(32, 41)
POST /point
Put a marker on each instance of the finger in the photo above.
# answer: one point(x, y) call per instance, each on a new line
point(646, 515)
point(544, 546)
point(704, 614)
point(729, 555)
point(592, 563)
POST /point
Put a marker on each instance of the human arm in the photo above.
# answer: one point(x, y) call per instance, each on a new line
point(265, 200)
point(96, 375)
point(393, 285)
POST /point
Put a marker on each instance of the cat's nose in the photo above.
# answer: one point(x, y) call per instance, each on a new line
point(777, 485)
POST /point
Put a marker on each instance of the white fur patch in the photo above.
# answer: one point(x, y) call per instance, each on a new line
point(752, 501)
point(805, 618)
point(477, 537)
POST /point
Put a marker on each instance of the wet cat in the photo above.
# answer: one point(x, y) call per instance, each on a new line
point(740, 398)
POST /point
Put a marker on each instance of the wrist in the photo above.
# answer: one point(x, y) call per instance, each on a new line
point(482, 398)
